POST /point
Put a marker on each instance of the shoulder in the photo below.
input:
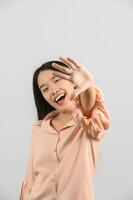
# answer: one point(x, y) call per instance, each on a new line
point(35, 128)
point(37, 123)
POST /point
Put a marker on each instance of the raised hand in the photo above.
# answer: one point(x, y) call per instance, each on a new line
point(76, 73)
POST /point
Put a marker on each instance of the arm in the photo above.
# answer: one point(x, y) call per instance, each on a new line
point(87, 99)
point(98, 120)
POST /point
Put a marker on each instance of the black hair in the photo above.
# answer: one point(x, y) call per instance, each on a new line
point(42, 106)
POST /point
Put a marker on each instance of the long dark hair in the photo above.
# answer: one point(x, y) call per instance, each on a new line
point(42, 106)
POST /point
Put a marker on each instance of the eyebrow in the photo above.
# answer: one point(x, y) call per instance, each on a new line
point(45, 83)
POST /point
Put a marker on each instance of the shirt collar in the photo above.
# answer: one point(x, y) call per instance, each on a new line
point(46, 126)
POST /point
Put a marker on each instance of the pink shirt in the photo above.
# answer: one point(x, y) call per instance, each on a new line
point(61, 164)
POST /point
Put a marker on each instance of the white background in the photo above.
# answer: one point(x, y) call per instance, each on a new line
point(99, 34)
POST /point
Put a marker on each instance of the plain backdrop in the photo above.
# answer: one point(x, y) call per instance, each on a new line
point(99, 34)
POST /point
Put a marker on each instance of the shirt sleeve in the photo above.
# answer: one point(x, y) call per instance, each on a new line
point(30, 173)
point(99, 120)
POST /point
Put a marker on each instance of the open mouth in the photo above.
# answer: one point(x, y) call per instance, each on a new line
point(60, 99)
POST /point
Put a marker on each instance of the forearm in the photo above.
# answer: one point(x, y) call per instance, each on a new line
point(87, 99)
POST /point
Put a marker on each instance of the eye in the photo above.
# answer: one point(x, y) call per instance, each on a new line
point(55, 81)
point(45, 89)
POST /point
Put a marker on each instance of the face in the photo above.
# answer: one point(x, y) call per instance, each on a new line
point(50, 87)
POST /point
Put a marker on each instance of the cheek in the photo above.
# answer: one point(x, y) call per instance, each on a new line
point(67, 85)
point(47, 98)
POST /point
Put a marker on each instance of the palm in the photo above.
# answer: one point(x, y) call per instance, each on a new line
point(78, 76)
point(76, 73)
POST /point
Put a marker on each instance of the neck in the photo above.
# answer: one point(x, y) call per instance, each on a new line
point(62, 116)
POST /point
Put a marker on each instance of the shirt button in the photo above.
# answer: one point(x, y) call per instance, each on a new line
point(53, 198)
point(53, 177)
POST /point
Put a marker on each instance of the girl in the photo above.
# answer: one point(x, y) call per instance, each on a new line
point(66, 138)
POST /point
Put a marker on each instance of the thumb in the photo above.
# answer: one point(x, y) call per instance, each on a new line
point(74, 94)
point(77, 92)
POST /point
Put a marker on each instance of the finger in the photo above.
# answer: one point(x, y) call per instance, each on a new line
point(76, 94)
point(72, 95)
point(67, 62)
point(72, 60)
point(62, 69)
point(61, 75)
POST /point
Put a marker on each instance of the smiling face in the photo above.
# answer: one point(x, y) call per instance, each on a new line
point(51, 86)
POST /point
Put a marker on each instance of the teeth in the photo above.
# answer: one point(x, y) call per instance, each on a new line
point(59, 96)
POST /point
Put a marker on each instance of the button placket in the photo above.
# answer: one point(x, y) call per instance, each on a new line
point(55, 153)
point(53, 188)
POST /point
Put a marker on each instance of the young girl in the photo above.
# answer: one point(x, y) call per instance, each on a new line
point(66, 138)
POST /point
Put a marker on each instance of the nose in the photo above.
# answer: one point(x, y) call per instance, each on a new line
point(55, 91)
